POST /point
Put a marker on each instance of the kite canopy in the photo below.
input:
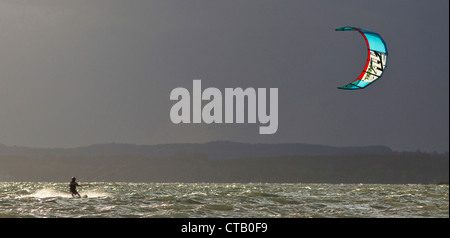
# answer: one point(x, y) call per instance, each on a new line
point(376, 59)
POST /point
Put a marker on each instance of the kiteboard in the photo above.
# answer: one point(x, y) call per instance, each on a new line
point(79, 196)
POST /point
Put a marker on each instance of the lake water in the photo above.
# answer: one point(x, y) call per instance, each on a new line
point(224, 200)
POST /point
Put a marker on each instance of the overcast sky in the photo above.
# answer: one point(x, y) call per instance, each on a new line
point(75, 73)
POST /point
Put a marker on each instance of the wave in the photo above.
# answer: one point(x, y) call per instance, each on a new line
point(49, 193)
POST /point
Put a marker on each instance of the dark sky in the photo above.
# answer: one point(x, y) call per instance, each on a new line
point(74, 73)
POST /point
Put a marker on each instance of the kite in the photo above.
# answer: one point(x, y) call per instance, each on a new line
point(376, 59)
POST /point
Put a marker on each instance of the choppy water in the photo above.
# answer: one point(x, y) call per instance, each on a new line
point(254, 200)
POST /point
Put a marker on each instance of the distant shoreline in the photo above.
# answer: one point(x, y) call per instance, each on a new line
point(224, 162)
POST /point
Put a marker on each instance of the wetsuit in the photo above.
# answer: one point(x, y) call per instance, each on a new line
point(73, 188)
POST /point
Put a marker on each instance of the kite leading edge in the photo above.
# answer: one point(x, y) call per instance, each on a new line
point(376, 59)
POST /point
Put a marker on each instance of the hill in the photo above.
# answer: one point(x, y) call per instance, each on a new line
point(218, 150)
point(223, 162)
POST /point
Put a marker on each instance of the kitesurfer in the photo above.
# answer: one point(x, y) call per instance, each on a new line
point(73, 188)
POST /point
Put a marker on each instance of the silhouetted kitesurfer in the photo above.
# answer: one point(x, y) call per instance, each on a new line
point(73, 188)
